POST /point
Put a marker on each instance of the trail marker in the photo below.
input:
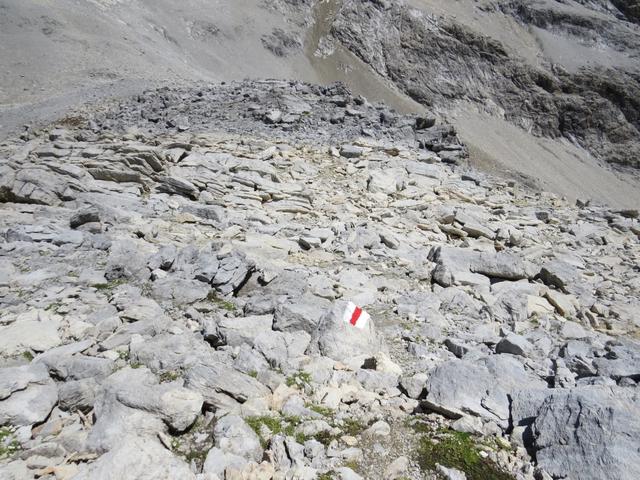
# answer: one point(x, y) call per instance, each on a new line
point(355, 316)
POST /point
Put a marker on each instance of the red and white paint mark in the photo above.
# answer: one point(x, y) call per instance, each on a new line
point(355, 316)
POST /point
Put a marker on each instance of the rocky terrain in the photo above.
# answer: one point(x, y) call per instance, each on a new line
point(541, 91)
point(175, 267)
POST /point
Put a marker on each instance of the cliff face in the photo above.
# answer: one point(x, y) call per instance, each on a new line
point(591, 100)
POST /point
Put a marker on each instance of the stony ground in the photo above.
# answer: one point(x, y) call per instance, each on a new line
point(174, 271)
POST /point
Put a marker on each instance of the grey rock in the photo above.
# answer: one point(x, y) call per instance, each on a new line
point(178, 186)
point(622, 360)
point(351, 151)
point(341, 341)
point(218, 461)
point(479, 388)
point(82, 217)
point(77, 394)
point(226, 273)
point(233, 435)
point(14, 379)
point(515, 345)
point(131, 402)
point(451, 473)
point(589, 433)
point(213, 378)
point(29, 406)
point(180, 291)
point(560, 275)
point(170, 352)
point(450, 261)
point(414, 385)
point(281, 349)
point(236, 331)
point(78, 367)
point(526, 403)
point(302, 314)
point(375, 381)
point(345, 473)
point(382, 182)
point(134, 458)
point(38, 335)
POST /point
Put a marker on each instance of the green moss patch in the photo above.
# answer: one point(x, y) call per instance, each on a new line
point(457, 450)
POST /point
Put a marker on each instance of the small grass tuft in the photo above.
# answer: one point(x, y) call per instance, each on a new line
point(166, 377)
point(352, 427)
point(199, 456)
point(457, 450)
point(322, 410)
point(325, 437)
point(53, 307)
point(352, 464)
point(221, 302)
point(110, 286)
point(8, 443)
point(27, 355)
point(418, 425)
point(299, 379)
point(276, 425)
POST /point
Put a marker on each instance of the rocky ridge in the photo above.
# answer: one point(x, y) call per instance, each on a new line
point(174, 270)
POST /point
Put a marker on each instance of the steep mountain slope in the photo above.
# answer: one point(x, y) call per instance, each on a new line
point(559, 79)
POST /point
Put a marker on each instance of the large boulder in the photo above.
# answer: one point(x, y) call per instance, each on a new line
point(589, 433)
point(282, 349)
point(236, 331)
point(302, 314)
point(132, 402)
point(170, 352)
point(32, 331)
point(481, 388)
point(213, 378)
point(27, 395)
point(451, 262)
point(559, 274)
point(339, 340)
point(622, 360)
point(134, 458)
point(226, 272)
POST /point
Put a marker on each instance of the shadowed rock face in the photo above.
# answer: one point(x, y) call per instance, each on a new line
point(440, 62)
point(630, 8)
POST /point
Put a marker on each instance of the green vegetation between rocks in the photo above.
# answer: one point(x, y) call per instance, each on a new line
point(170, 376)
point(457, 450)
point(352, 427)
point(324, 411)
point(276, 425)
point(8, 444)
point(110, 286)
point(221, 302)
point(299, 379)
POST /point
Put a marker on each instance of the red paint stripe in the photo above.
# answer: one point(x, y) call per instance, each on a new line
point(355, 316)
